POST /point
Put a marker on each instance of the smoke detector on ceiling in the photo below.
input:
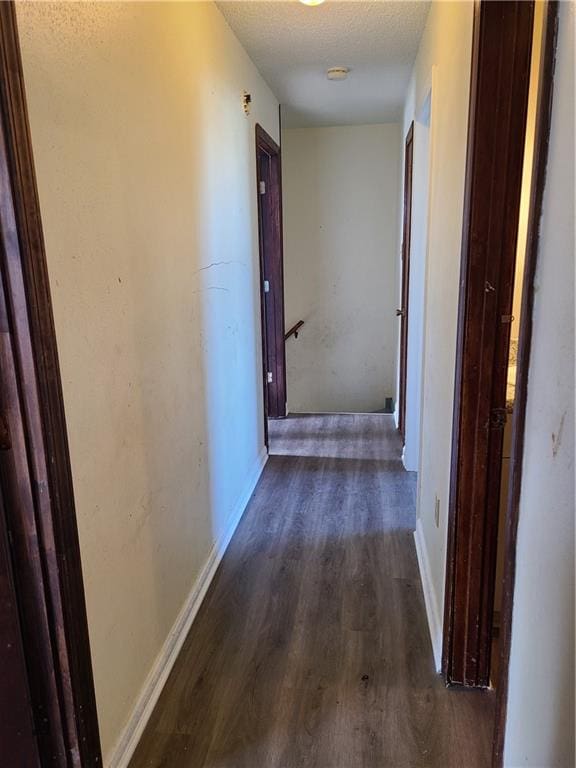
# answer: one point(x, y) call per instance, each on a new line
point(337, 73)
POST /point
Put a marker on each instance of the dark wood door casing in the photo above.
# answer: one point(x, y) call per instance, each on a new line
point(498, 109)
point(405, 288)
point(35, 471)
point(24, 505)
point(18, 743)
point(268, 166)
point(540, 159)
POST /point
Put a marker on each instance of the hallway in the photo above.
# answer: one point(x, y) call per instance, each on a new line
point(311, 647)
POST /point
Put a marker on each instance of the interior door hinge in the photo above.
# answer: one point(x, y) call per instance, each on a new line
point(266, 286)
point(262, 187)
point(269, 377)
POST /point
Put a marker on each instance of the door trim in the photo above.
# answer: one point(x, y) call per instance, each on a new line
point(405, 288)
point(18, 735)
point(38, 374)
point(502, 42)
point(541, 142)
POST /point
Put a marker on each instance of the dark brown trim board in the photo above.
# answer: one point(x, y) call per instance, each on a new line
point(451, 543)
point(541, 141)
point(502, 45)
point(18, 740)
point(405, 289)
point(269, 181)
point(35, 472)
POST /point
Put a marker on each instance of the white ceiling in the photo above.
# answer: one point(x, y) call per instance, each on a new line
point(293, 45)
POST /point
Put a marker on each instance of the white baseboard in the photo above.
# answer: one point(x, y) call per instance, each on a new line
point(408, 463)
point(433, 614)
point(122, 753)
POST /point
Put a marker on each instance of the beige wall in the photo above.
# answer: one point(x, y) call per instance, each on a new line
point(443, 66)
point(540, 725)
point(341, 196)
point(145, 164)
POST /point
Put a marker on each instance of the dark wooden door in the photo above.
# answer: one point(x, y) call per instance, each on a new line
point(18, 744)
point(403, 311)
point(500, 80)
point(272, 273)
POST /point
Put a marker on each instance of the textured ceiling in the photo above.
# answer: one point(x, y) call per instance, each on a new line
point(293, 45)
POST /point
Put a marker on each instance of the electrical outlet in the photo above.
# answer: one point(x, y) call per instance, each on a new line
point(437, 512)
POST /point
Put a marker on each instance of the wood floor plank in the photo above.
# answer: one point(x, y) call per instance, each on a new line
point(311, 649)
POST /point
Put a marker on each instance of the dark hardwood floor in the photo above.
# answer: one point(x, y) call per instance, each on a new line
point(312, 648)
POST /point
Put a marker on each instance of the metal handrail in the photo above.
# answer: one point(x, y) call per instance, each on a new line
point(294, 330)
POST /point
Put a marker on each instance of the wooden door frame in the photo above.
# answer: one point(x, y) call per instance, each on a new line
point(465, 538)
point(405, 287)
point(265, 144)
point(18, 736)
point(72, 723)
point(502, 41)
point(541, 142)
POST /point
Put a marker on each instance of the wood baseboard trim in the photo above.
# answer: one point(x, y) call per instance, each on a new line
point(121, 754)
point(432, 612)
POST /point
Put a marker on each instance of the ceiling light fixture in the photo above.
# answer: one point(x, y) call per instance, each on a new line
point(337, 73)
point(312, 2)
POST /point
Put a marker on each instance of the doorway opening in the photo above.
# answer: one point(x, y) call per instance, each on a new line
point(341, 223)
point(269, 188)
point(402, 312)
point(504, 181)
point(515, 328)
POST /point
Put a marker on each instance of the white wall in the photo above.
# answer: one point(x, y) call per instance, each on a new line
point(341, 195)
point(540, 724)
point(445, 50)
point(146, 173)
